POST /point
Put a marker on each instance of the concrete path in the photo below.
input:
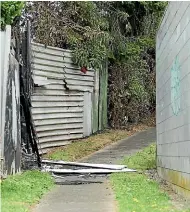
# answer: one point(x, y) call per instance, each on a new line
point(96, 197)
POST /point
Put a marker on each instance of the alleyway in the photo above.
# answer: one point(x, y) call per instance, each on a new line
point(94, 197)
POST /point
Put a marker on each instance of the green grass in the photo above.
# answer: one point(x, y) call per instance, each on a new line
point(20, 191)
point(135, 192)
point(142, 160)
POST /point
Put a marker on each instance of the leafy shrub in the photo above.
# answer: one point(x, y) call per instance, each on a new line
point(10, 10)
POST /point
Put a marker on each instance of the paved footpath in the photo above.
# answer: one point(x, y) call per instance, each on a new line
point(94, 197)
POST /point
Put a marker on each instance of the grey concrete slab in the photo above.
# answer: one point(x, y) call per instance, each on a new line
point(94, 197)
point(75, 198)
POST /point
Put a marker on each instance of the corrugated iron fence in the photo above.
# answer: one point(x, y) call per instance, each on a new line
point(66, 104)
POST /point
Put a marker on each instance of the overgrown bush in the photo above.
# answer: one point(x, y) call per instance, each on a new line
point(10, 10)
point(121, 32)
point(132, 85)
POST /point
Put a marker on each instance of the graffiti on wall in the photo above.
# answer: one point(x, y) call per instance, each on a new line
point(175, 87)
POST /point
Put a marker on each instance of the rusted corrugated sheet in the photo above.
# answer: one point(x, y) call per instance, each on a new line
point(58, 110)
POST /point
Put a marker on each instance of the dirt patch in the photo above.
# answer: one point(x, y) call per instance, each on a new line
point(177, 200)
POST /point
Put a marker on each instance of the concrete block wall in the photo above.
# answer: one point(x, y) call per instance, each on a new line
point(173, 96)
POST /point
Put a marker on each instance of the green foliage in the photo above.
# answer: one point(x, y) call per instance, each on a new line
point(154, 6)
point(10, 10)
point(142, 160)
point(94, 30)
point(144, 16)
point(92, 53)
point(132, 74)
point(132, 83)
point(77, 25)
point(21, 190)
point(122, 33)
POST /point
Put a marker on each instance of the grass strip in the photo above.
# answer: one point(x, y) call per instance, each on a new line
point(135, 192)
point(85, 147)
point(21, 191)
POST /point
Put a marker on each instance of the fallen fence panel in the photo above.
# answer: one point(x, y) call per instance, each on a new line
point(92, 165)
point(88, 171)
